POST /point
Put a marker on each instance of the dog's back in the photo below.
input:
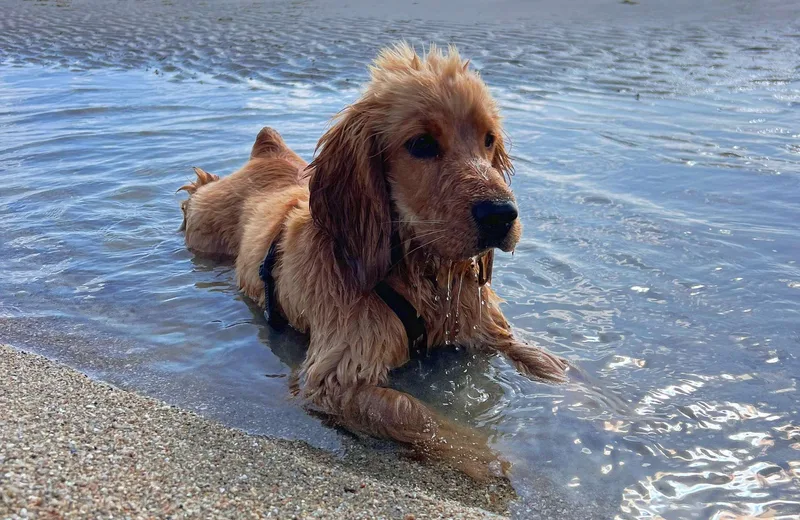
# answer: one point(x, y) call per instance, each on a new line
point(214, 212)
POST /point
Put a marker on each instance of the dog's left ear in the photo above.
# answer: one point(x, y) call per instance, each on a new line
point(501, 161)
point(350, 197)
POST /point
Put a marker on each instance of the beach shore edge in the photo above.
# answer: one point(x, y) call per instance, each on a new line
point(71, 446)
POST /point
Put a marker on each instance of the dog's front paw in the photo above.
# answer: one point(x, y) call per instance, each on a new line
point(481, 468)
point(468, 451)
point(535, 362)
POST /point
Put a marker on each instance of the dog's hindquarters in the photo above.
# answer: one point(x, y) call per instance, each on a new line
point(215, 210)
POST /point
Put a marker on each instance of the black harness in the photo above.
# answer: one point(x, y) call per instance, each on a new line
point(413, 322)
point(273, 317)
point(416, 329)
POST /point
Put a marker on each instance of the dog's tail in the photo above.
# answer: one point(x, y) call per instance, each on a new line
point(203, 178)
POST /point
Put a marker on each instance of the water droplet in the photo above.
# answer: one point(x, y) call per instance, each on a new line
point(448, 315)
point(474, 327)
point(436, 298)
point(483, 302)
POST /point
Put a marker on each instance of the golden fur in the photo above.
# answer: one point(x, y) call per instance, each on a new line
point(337, 216)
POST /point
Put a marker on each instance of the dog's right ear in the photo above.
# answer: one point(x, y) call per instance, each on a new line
point(268, 143)
point(350, 198)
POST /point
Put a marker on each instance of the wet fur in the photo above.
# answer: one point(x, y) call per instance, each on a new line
point(337, 216)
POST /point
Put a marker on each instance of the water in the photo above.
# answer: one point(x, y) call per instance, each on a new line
point(658, 179)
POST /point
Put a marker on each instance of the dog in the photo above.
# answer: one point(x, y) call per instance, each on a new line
point(394, 223)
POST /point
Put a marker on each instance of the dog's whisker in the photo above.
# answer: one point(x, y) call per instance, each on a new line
point(419, 247)
point(432, 233)
point(406, 241)
point(413, 221)
point(416, 237)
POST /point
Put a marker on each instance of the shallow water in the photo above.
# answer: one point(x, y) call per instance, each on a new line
point(657, 176)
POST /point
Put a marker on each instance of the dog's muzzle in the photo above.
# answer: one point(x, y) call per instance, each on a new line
point(494, 219)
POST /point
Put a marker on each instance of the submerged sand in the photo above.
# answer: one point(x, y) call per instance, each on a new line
point(71, 447)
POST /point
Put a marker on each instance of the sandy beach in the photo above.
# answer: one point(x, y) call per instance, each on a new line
point(71, 447)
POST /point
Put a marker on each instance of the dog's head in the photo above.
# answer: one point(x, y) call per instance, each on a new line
point(422, 151)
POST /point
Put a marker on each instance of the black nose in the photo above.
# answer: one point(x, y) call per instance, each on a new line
point(494, 219)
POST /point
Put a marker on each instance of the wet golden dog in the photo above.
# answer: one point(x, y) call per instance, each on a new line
point(419, 161)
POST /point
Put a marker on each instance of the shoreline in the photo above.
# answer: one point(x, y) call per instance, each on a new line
point(75, 447)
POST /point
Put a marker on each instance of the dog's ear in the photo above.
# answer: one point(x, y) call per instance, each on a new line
point(268, 143)
point(350, 197)
point(501, 161)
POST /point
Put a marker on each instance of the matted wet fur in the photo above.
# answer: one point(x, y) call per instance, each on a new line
point(371, 179)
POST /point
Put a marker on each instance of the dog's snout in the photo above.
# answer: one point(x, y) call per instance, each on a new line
point(494, 219)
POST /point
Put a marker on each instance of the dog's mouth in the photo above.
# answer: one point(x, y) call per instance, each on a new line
point(458, 250)
point(504, 242)
point(507, 246)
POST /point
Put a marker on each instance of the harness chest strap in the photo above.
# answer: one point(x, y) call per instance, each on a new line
point(416, 329)
point(414, 324)
point(273, 317)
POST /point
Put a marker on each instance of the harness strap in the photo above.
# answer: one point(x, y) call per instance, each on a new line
point(416, 331)
point(415, 326)
point(271, 313)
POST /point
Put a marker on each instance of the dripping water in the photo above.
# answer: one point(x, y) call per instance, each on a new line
point(480, 305)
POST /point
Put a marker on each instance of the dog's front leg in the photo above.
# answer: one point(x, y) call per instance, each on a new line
point(533, 361)
point(494, 332)
point(390, 414)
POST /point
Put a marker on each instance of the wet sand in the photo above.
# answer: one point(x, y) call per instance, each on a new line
point(72, 447)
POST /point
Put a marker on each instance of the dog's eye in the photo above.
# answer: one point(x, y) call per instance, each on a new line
point(423, 147)
point(488, 141)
